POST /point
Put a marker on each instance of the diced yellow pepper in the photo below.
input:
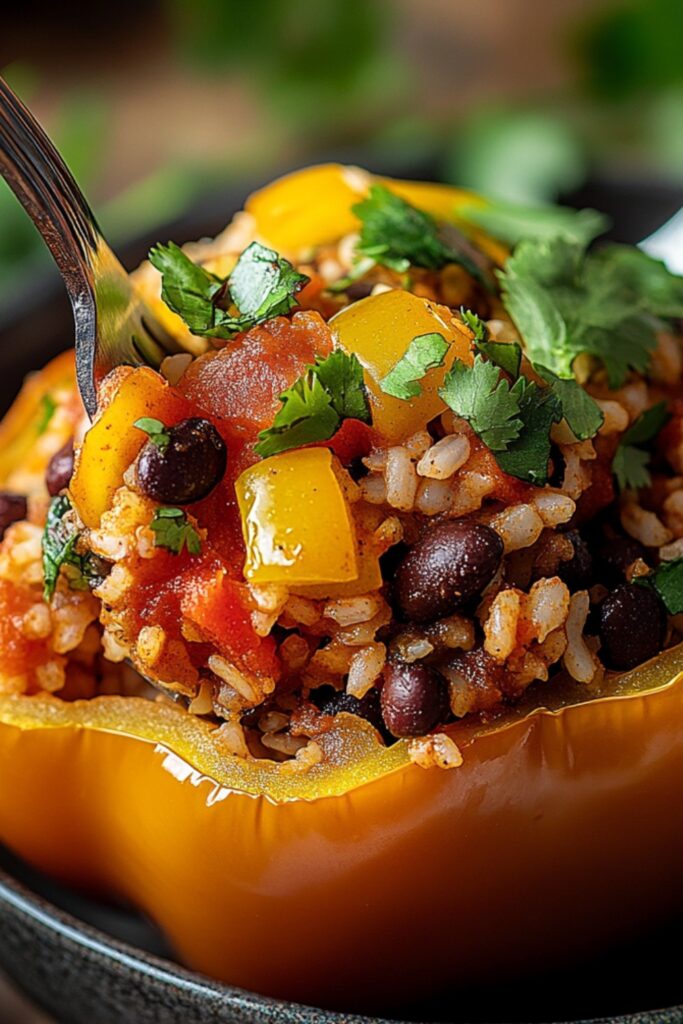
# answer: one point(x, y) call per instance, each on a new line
point(379, 330)
point(296, 521)
point(113, 442)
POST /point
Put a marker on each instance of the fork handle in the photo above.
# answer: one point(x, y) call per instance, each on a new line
point(45, 187)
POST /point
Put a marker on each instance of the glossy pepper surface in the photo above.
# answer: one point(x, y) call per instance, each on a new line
point(560, 832)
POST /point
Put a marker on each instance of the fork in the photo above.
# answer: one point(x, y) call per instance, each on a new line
point(113, 326)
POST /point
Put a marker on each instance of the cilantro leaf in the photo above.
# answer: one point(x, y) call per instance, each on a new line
point(314, 407)
point(527, 456)
point(579, 409)
point(630, 467)
point(342, 377)
point(59, 541)
point(537, 317)
point(262, 285)
point(511, 222)
point(191, 291)
point(506, 355)
point(661, 290)
point(479, 395)
point(398, 235)
point(630, 463)
point(425, 352)
point(48, 407)
point(173, 531)
point(667, 580)
point(566, 302)
point(157, 431)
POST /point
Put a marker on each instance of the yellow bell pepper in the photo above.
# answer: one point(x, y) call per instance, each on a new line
point(312, 207)
point(112, 443)
point(378, 330)
point(296, 520)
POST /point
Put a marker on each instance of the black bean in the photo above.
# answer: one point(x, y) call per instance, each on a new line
point(444, 570)
point(414, 699)
point(577, 571)
point(616, 554)
point(191, 465)
point(12, 508)
point(332, 702)
point(632, 626)
point(60, 469)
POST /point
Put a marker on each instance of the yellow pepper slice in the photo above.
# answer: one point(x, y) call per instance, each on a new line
point(296, 520)
point(378, 330)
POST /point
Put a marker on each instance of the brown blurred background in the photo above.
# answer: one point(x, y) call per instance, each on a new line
point(156, 104)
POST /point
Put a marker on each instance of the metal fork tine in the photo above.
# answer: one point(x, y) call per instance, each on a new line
point(112, 324)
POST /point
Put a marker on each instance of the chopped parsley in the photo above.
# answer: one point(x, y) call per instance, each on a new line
point(631, 461)
point(313, 409)
point(262, 285)
point(157, 431)
point(48, 407)
point(59, 544)
point(508, 356)
point(667, 580)
point(398, 235)
point(566, 302)
point(481, 396)
point(424, 353)
point(173, 531)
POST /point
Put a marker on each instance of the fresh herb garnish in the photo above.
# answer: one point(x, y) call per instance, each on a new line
point(566, 302)
point(59, 542)
point(48, 407)
point(661, 291)
point(582, 413)
point(631, 461)
point(527, 457)
point(579, 409)
point(173, 531)
point(424, 353)
point(481, 396)
point(315, 406)
point(261, 286)
point(398, 235)
point(157, 431)
point(667, 580)
point(511, 222)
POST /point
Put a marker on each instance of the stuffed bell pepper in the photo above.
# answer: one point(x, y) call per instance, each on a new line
point(346, 642)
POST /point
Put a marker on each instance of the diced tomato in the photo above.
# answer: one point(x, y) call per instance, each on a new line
point(243, 381)
point(220, 608)
point(353, 440)
point(20, 654)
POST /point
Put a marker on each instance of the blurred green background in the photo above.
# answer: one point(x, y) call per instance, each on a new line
point(154, 104)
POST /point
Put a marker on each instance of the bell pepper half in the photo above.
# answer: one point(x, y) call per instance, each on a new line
point(366, 881)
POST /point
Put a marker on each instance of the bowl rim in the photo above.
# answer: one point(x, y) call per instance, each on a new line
point(190, 989)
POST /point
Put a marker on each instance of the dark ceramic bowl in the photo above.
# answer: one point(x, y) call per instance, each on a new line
point(83, 962)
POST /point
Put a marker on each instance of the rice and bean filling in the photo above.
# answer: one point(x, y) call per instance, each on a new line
point(531, 528)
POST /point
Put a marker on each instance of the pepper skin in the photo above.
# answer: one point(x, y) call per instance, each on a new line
point(363, 887)
point(378, 330)
point(282, 501)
